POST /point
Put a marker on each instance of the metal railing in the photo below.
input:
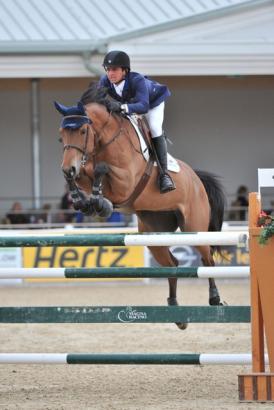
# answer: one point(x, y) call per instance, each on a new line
point(58, 218)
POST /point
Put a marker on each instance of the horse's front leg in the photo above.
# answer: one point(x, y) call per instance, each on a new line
point(101, 205)
point(79, 200)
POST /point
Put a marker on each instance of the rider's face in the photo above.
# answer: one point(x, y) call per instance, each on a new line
point(115, 74)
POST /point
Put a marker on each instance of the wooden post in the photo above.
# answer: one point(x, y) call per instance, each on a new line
point(257, 329)
point(259, 385)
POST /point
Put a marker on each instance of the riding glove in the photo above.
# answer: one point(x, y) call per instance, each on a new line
point(116, 106)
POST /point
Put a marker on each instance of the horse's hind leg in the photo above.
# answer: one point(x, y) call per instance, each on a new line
point(164, 257)
point(207, 259)
point(199, 222)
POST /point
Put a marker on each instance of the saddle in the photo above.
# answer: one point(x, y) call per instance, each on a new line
point(142, 130)
point(140, 124)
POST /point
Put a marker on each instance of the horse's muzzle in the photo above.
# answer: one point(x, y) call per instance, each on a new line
point(69, 173)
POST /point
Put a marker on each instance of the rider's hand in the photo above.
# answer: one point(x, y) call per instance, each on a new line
point(115, 106)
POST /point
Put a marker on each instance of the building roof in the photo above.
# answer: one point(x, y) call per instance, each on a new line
point(68, 38)
point(37, 26)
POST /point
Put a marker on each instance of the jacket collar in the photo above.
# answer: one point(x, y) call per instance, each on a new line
point(125, 93)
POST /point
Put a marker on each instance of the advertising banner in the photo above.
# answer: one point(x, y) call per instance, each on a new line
point(10, 258)
point(73, 257)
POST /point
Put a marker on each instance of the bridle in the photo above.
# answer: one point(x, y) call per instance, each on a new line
point(77, 147)
point(97, 137)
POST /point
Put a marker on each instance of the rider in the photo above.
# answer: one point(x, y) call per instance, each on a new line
point(137, 94)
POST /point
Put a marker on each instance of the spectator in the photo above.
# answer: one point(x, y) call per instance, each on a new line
point(15, 216)
point(45, 216)
point(66, 204)
point(241, 201)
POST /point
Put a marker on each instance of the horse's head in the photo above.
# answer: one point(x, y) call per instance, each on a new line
point(77, 137)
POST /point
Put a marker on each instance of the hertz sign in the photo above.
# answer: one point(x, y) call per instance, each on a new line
point(82, 257)
point(85, 257)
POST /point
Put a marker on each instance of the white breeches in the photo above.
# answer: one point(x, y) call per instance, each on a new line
point(155, 118)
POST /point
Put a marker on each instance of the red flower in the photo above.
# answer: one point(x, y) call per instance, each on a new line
point(264, 219)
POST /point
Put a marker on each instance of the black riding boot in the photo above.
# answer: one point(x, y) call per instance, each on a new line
point(165, 181)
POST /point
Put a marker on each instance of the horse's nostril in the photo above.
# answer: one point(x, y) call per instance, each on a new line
point(70, 172)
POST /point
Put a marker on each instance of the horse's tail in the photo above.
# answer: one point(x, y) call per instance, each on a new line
point(217, 200)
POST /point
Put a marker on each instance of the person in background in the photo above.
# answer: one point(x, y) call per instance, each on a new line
point(66, 204)
point(45, 216)
point(240, 201)
point(16, 216)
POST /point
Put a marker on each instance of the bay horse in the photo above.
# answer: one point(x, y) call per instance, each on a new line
point(104, 166)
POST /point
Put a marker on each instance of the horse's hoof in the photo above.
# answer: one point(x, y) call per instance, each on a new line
point(173, 302)
point(216, 301)
point(181, 326)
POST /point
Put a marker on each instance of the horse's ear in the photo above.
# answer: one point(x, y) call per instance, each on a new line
point(81, 108)
point(61, 108)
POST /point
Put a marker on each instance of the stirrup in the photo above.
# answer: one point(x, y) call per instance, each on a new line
point(166, 183)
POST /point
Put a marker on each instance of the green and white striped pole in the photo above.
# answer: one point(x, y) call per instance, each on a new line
point(218, 272)
point(129, 359)
point(146, 239)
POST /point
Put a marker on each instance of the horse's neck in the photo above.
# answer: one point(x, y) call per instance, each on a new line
point(126, 164)
point(119, 145)
point(114, 133)
point(98, 115)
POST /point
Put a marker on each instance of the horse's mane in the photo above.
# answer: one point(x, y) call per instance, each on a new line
point(96, 94)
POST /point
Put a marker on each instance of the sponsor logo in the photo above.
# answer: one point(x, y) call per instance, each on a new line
point(72, 257)
point(129, 315)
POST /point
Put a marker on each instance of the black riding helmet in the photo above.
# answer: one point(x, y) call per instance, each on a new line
point(117, 58)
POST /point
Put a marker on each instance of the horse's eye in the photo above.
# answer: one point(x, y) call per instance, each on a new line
point(82, 132)
point(60, 139)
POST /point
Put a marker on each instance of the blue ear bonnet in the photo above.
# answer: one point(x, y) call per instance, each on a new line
point(74, 117)
point(74, 123)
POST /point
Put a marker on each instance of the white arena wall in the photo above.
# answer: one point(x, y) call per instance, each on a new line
point(219, 124)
